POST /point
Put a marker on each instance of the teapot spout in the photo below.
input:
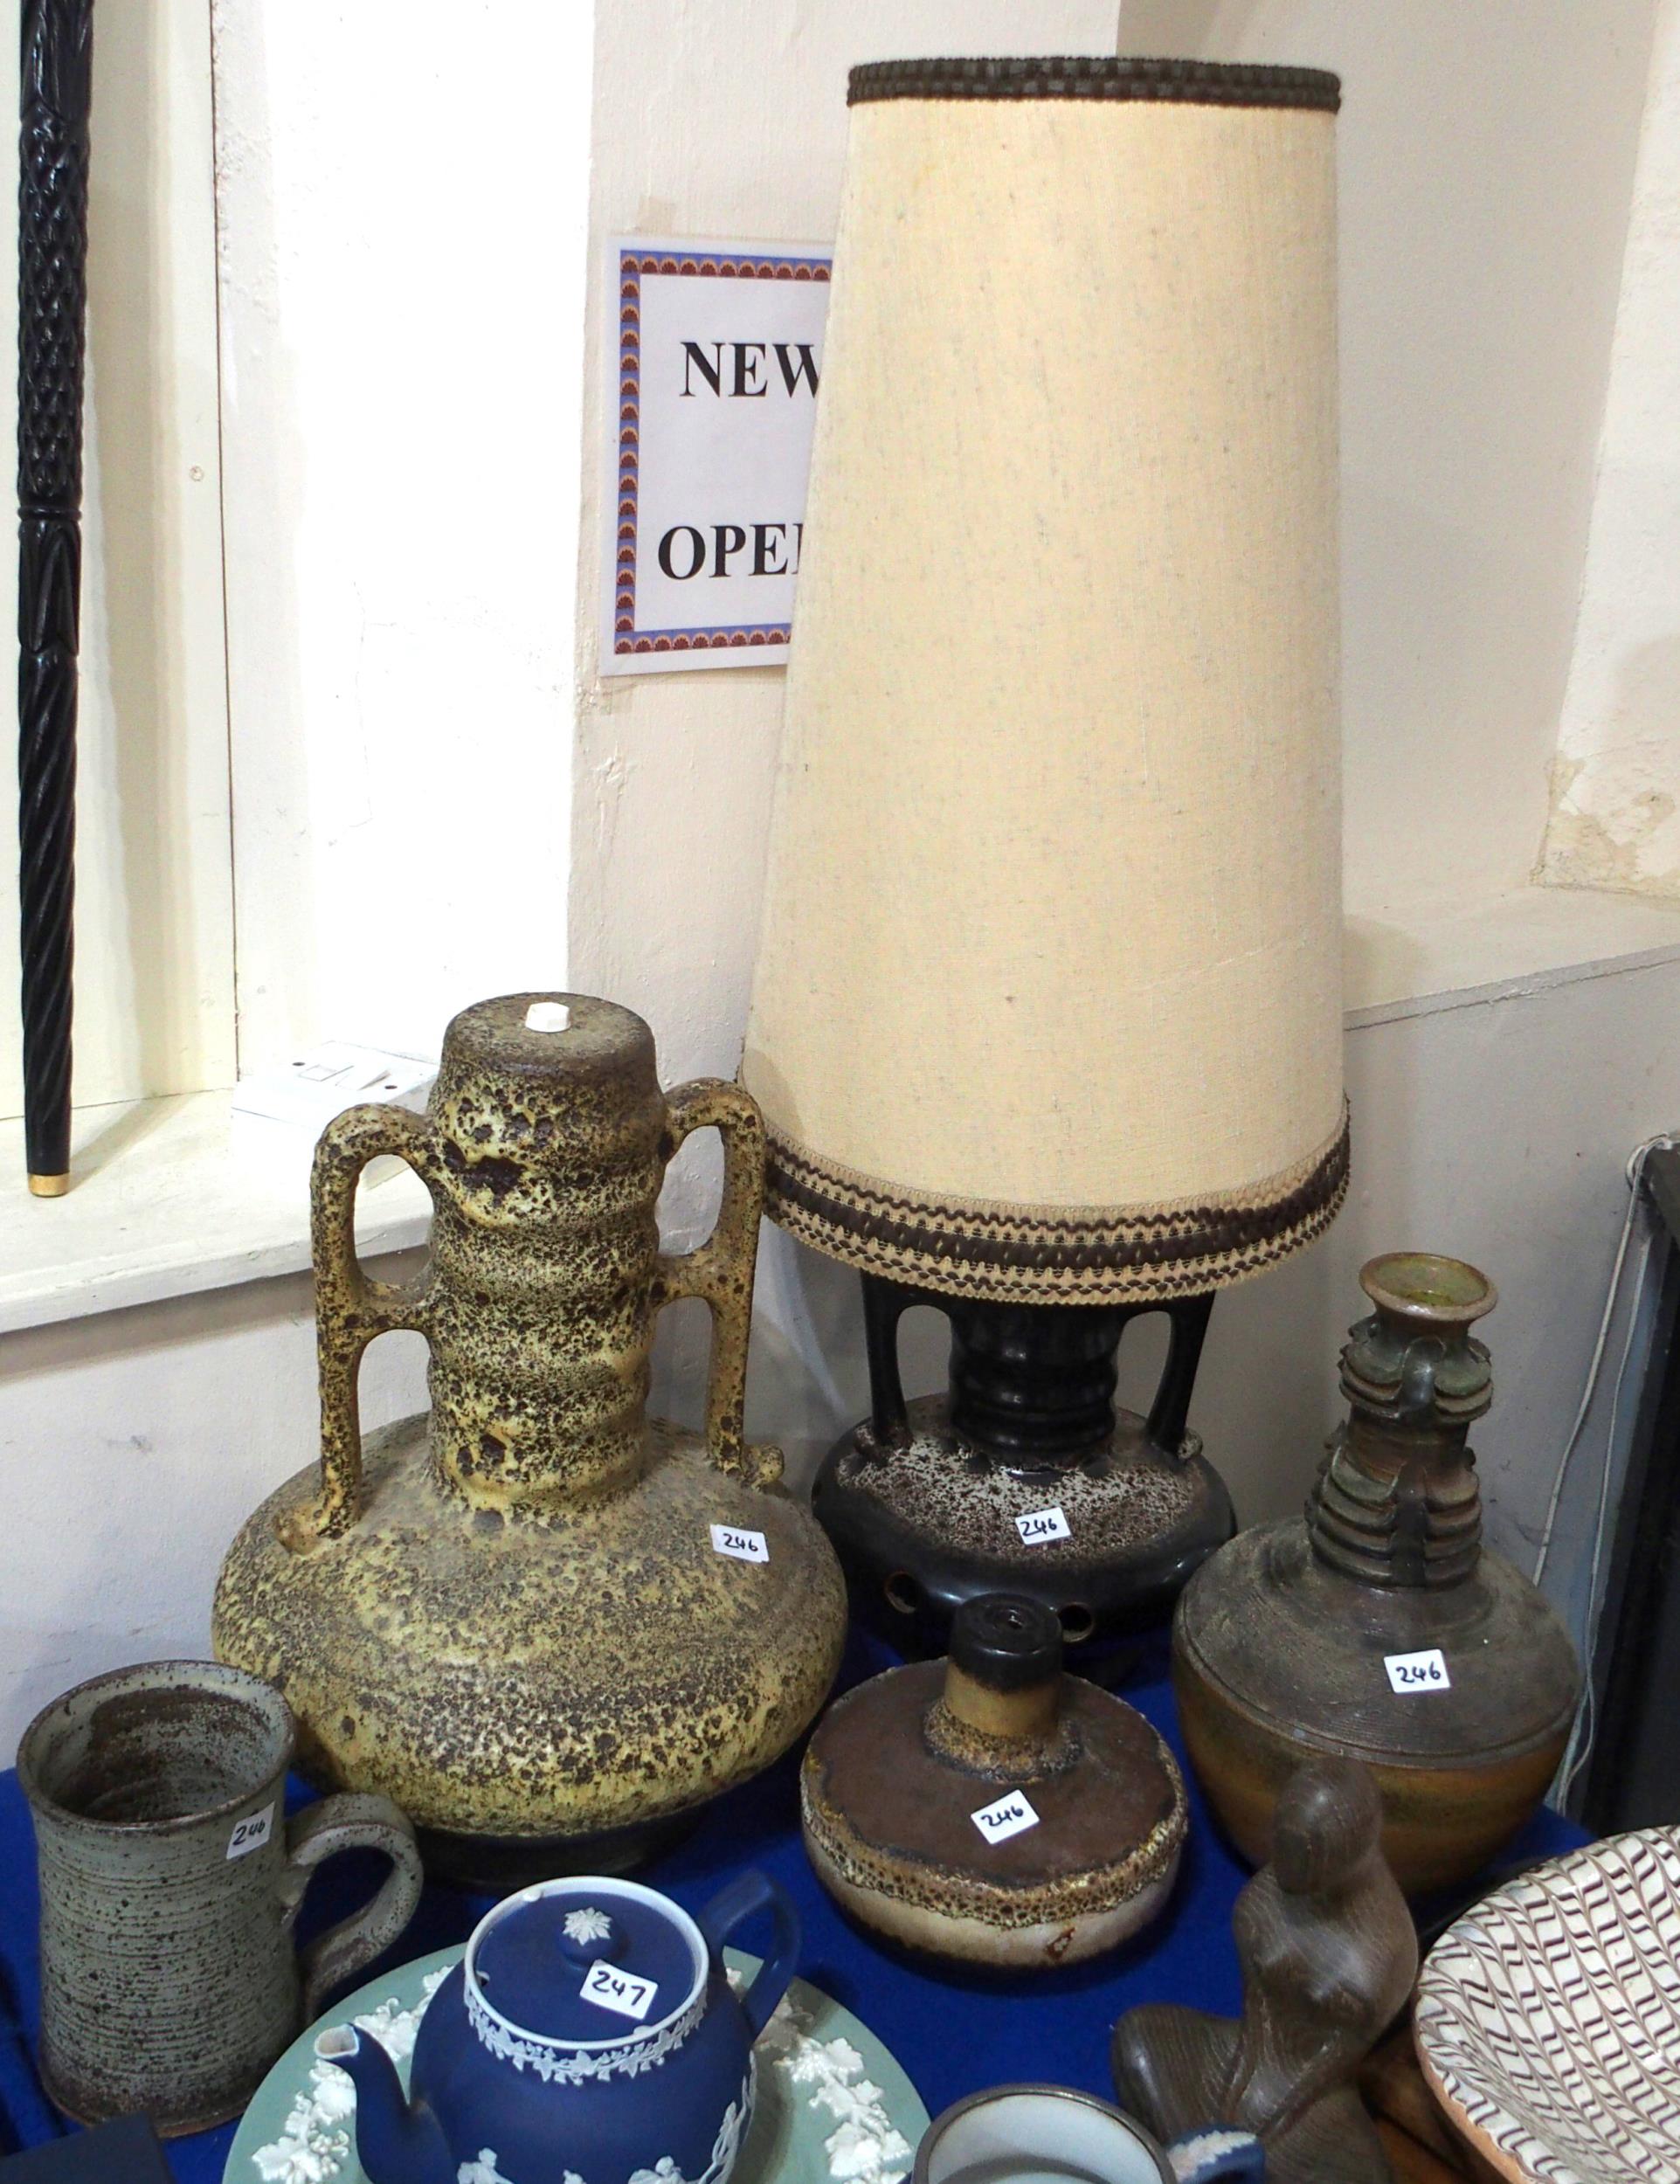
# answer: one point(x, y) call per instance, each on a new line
point(397, 2142)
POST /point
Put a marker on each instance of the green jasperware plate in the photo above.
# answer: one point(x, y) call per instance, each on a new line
point(833, 2105)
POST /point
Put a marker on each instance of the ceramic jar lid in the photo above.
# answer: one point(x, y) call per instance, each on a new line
point(583, 1962)
point(991, 1808)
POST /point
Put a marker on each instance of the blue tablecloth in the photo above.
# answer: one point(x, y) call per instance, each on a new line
point(953, 2034)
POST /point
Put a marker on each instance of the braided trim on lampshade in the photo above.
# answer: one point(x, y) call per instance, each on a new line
point(1095, 76)
point(1046, 1255)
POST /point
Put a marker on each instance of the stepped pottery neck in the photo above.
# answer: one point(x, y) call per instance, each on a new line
point(549, 1148)
point(1396, 1501)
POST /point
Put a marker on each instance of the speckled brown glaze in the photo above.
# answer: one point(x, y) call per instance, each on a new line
point(1126, 1496)
point(1279, 1640)
point(169, 1982)
point(510, 1617)
point(894, 1775)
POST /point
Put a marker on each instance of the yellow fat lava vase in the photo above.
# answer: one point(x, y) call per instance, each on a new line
point(547, 1625)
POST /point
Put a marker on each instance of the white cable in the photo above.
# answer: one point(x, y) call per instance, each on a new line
point(1580, 1741)
point(1635, 1169)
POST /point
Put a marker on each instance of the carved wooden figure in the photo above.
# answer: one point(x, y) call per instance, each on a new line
point(1329, 1954)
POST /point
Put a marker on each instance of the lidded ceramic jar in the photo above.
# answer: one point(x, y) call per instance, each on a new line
point(520, 1616)
point(590, 2030)
point(989, 1807)
point(1379, 1628)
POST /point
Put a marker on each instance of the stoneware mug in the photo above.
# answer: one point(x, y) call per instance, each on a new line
point(169, 1882)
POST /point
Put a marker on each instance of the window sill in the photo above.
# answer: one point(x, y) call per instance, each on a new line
point(1416, 960)
point(170, 1198)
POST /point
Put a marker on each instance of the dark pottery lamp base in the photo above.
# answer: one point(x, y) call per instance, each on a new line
point(925, 1501)
point(497, 1865)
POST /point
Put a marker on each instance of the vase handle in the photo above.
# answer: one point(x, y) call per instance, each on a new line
point(350, 1308)
point(721, 1271)
point(732, 1908)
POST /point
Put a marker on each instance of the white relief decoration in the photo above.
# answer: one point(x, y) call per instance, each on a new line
point(1195, 2157)
point(315, 2143)
point(484, 2170)
point(863, 2149)
point(574, 2066)
point(725, 2146)
point(585, 1924)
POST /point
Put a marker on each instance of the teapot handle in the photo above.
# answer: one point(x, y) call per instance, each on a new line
point(350, 1308)
point(732, 1908)
point(722, 1270)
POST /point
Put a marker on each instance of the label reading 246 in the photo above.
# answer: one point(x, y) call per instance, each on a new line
point(1041, 1525)
point(742, 1546)
point(250, 1832)
point(1418, 1671)
point(1011, 1815)
point(609, 1988)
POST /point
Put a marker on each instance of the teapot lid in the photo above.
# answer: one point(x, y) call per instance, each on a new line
point(585, 1963)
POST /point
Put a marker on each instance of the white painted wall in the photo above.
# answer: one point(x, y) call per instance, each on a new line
point(132, 1448)
point(1615, 820)
point(727, 121)
point(403, 217)
point(154, 889)
point(1486, 157)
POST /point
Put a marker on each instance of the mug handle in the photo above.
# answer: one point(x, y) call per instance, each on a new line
point(733, 1907)
point(352, 1821)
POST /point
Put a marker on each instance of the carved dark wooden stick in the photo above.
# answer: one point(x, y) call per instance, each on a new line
point(51, 343)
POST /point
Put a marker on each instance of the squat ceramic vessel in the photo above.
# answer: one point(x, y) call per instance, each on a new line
point(545, 1624)
point(991, 1809)
point(1380, 1628)
point(589, 2032)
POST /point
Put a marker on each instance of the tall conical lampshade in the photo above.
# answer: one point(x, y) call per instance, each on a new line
point(1048, 994)
point(1048, 1003)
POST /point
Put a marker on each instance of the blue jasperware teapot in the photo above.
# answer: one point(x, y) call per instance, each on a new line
point(590, 2033)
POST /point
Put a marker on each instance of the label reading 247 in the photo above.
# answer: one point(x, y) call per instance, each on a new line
point(625, 1991)
point(1417, 1671)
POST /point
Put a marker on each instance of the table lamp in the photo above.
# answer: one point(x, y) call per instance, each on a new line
point(1046, 1021)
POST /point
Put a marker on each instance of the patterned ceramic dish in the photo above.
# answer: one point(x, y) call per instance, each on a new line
point(832, 2106)
point(1548, 2017)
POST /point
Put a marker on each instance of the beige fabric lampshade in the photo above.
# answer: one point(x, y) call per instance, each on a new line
point(1047, 1002)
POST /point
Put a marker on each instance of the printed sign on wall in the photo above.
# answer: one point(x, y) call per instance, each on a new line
point(718, 354)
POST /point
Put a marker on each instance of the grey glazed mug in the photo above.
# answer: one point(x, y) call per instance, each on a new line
point(169, 1882)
